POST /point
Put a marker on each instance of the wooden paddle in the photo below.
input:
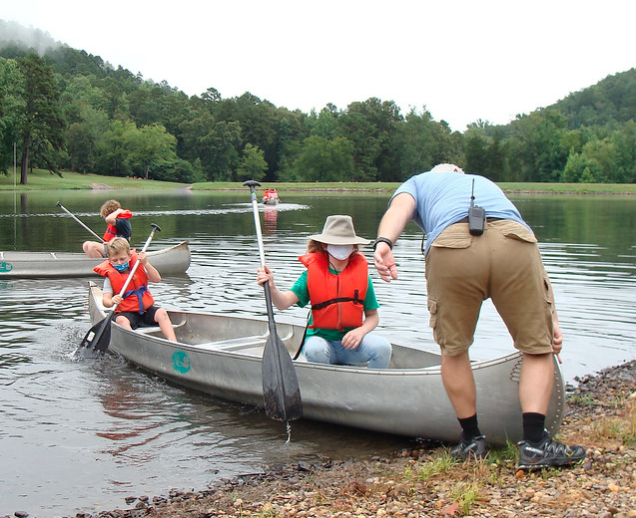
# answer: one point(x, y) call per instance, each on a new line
point(59, 204)
point(98, 337)
point(280, 384)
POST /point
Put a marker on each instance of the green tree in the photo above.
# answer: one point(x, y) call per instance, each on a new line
point(42, 127)
point(113, 157)
point(421, 143)
point(476, 152)
point(214, 144)
point(624, 142)
point(148, 145)
point(323, 160)
point(580, 169)
point(372, 128)
point(252, 164)
point(323, 124)
point(258, 121)
point(84, 137)
point(11, 107)
point(537, 146)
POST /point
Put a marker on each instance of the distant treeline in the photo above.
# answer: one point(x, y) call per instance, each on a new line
point(69, 110)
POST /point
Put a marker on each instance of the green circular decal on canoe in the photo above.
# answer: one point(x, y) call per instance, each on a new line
point(180, 362)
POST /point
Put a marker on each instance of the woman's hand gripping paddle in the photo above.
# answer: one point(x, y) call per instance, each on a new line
point(280, 384)
point(98, 337)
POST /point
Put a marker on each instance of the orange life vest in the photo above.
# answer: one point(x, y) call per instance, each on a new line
point(138, 286)
point(111, 230)
point(337, 301)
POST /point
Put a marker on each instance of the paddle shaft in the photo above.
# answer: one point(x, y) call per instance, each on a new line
point(261, 251)
point(281, 393)
point(59, 204)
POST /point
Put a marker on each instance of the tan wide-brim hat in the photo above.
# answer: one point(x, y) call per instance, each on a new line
point(338, 230)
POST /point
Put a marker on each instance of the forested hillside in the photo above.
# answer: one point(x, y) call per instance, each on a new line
point(62, 108)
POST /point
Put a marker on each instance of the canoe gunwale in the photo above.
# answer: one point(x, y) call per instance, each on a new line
point(172, 260)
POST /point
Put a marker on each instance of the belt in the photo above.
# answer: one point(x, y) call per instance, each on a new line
point(488, 220)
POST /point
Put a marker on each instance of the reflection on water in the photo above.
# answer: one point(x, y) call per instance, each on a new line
point(82, 435)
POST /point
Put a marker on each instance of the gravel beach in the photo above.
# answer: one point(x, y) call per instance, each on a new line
point(424, 482)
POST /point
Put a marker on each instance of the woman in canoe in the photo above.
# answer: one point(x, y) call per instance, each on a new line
point(118, 225)
point(344, 309)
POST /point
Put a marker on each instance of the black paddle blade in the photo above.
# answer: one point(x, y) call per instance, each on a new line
point(280, 384)
point(98, 337)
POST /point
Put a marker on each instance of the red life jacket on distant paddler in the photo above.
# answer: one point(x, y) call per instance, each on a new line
point(337, 301)
point(137, 298)
point(111, 230)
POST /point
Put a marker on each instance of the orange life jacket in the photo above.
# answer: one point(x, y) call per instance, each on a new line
point(138, 286)
point(337, 301)
point(111, 230)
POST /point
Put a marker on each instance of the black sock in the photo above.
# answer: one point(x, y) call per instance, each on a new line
point(470, 429)
point(533, 426)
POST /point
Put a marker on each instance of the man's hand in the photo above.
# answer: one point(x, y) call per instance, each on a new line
point(384, 262)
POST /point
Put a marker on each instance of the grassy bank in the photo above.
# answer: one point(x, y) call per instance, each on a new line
point(43, 180)
point(40, 180)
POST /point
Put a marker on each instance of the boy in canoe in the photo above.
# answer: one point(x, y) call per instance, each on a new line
point(137, 305)
point(118, 225)
point(344, 309)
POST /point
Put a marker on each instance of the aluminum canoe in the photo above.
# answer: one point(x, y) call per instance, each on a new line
point(21, 265)
point(220, 355)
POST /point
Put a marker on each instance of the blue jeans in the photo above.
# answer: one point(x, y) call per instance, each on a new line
point(373, 350)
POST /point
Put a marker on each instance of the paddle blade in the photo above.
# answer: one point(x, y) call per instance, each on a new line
point(98, 337)
point(280, 384)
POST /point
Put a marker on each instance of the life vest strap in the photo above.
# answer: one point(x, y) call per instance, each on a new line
point(140, 293)
point(355, 299)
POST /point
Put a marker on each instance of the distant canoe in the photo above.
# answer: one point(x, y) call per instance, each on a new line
point(221, 355)
point(22, 265)
point(270, 197)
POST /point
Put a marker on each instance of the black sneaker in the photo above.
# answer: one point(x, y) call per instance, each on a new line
point(475, 449)
point(548, 453)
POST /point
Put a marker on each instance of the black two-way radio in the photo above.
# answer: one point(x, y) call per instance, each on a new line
point(476, 215)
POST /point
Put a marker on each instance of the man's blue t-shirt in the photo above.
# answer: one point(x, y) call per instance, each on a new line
point(443, 198)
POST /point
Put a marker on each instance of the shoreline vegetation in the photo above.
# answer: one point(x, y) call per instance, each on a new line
point(44, 180)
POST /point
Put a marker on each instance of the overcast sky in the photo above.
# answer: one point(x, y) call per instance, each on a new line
point(463, 60)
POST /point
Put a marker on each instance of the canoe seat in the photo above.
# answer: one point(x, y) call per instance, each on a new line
point(239, 343)
point(243, 343)
point(148, 330)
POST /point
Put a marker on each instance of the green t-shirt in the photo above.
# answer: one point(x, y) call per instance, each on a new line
point(302, 292)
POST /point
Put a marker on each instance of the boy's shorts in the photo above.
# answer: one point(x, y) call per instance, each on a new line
point(503, 264)
point(136, 319)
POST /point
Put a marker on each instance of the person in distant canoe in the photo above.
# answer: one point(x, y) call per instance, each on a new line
point(137, 304)
point(118, 225)
point(474, 253)
point(344, 309)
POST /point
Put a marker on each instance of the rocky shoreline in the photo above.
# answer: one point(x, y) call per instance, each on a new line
point(423, 482)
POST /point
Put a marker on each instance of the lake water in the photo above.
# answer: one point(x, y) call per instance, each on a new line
point(82, 435)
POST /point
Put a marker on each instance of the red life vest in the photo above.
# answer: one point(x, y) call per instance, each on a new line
point(111, 230)
point(137, 298)
point(337, 301)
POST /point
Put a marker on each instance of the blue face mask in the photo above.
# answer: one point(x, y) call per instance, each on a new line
point(121, 268)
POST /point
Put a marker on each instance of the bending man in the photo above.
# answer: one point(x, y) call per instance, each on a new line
point(495, 256)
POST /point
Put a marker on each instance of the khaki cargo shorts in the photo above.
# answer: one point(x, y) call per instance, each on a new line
point(503, 264)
